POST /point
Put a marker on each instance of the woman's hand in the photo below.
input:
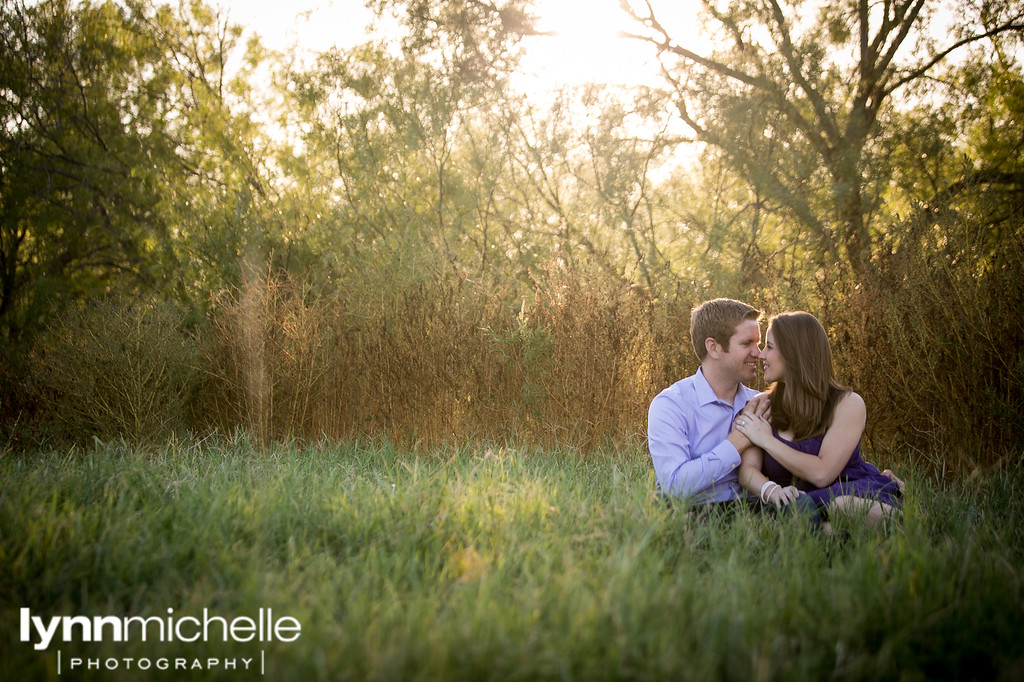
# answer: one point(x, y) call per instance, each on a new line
point(784, 496)
point(775, 494)
point(755, 428)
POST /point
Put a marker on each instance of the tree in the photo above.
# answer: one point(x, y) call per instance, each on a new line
point(475, 40)
point(581, 171)
point(219, 189)
point(814, 84)
point(121, 163)
point(79, 155)
point(408, 126)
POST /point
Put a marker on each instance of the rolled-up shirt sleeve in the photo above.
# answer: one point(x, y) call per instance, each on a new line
point(704, 476)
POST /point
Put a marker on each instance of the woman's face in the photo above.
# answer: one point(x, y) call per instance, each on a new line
point(772, 362)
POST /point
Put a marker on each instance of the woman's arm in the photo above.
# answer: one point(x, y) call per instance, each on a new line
point(749, 472)
point(757, 484)
point(837, 446)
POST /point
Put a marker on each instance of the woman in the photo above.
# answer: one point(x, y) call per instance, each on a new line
point(813, 439)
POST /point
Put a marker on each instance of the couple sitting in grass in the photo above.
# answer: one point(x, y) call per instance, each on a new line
point(714, 441)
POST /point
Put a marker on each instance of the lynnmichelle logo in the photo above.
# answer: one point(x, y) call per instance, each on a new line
point(265, 628)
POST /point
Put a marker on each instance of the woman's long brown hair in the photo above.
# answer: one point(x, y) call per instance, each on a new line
point(805, 402)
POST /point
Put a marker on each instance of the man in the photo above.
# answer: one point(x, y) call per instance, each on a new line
point(693, 443)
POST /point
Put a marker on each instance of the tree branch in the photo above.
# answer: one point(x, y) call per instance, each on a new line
point(1015, 24)
point(817, 101)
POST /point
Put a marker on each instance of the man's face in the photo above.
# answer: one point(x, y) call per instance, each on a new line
point(740, 361)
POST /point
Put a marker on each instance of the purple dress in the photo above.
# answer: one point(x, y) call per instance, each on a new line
point(858, 478)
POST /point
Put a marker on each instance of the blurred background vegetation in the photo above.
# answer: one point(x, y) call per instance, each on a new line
point(198, 233)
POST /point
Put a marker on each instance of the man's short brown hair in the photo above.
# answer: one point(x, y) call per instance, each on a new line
point(718, 319)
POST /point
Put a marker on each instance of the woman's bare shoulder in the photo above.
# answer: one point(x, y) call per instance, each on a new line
point(851, 404)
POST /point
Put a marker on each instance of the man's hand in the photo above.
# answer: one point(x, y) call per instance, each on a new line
point(759, 406)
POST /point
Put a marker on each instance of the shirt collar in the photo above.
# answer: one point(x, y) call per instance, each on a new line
point(706, 395)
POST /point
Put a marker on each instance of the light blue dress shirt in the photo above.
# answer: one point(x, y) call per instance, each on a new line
point(687, 426)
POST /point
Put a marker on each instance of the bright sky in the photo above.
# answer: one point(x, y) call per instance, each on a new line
point(585, 49)
point(315, 25)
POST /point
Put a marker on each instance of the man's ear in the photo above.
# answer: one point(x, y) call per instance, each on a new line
point(712, 347)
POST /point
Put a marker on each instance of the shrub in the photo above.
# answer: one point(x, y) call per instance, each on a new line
point(934, 342)
point(116, 369)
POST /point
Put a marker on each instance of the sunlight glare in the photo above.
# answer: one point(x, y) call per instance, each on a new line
point(580, 40)
point(309, 25)
point(580, 44)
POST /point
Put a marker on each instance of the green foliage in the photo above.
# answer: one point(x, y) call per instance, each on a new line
point(500, 563)
point(123, 166)
point(117, 369)
point(391, 239)
point(796, 104)
point(79, 188)
point(476, 41)
point(389, 126)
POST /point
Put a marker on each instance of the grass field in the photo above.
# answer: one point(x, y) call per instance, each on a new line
point(478, 564)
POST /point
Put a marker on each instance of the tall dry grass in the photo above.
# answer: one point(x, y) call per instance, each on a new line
point(271, 358)
point(935, 342)
point(573, 362)
point(932, 340)
point(596, 351)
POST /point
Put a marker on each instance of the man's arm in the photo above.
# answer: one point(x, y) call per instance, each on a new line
point(678, 470)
